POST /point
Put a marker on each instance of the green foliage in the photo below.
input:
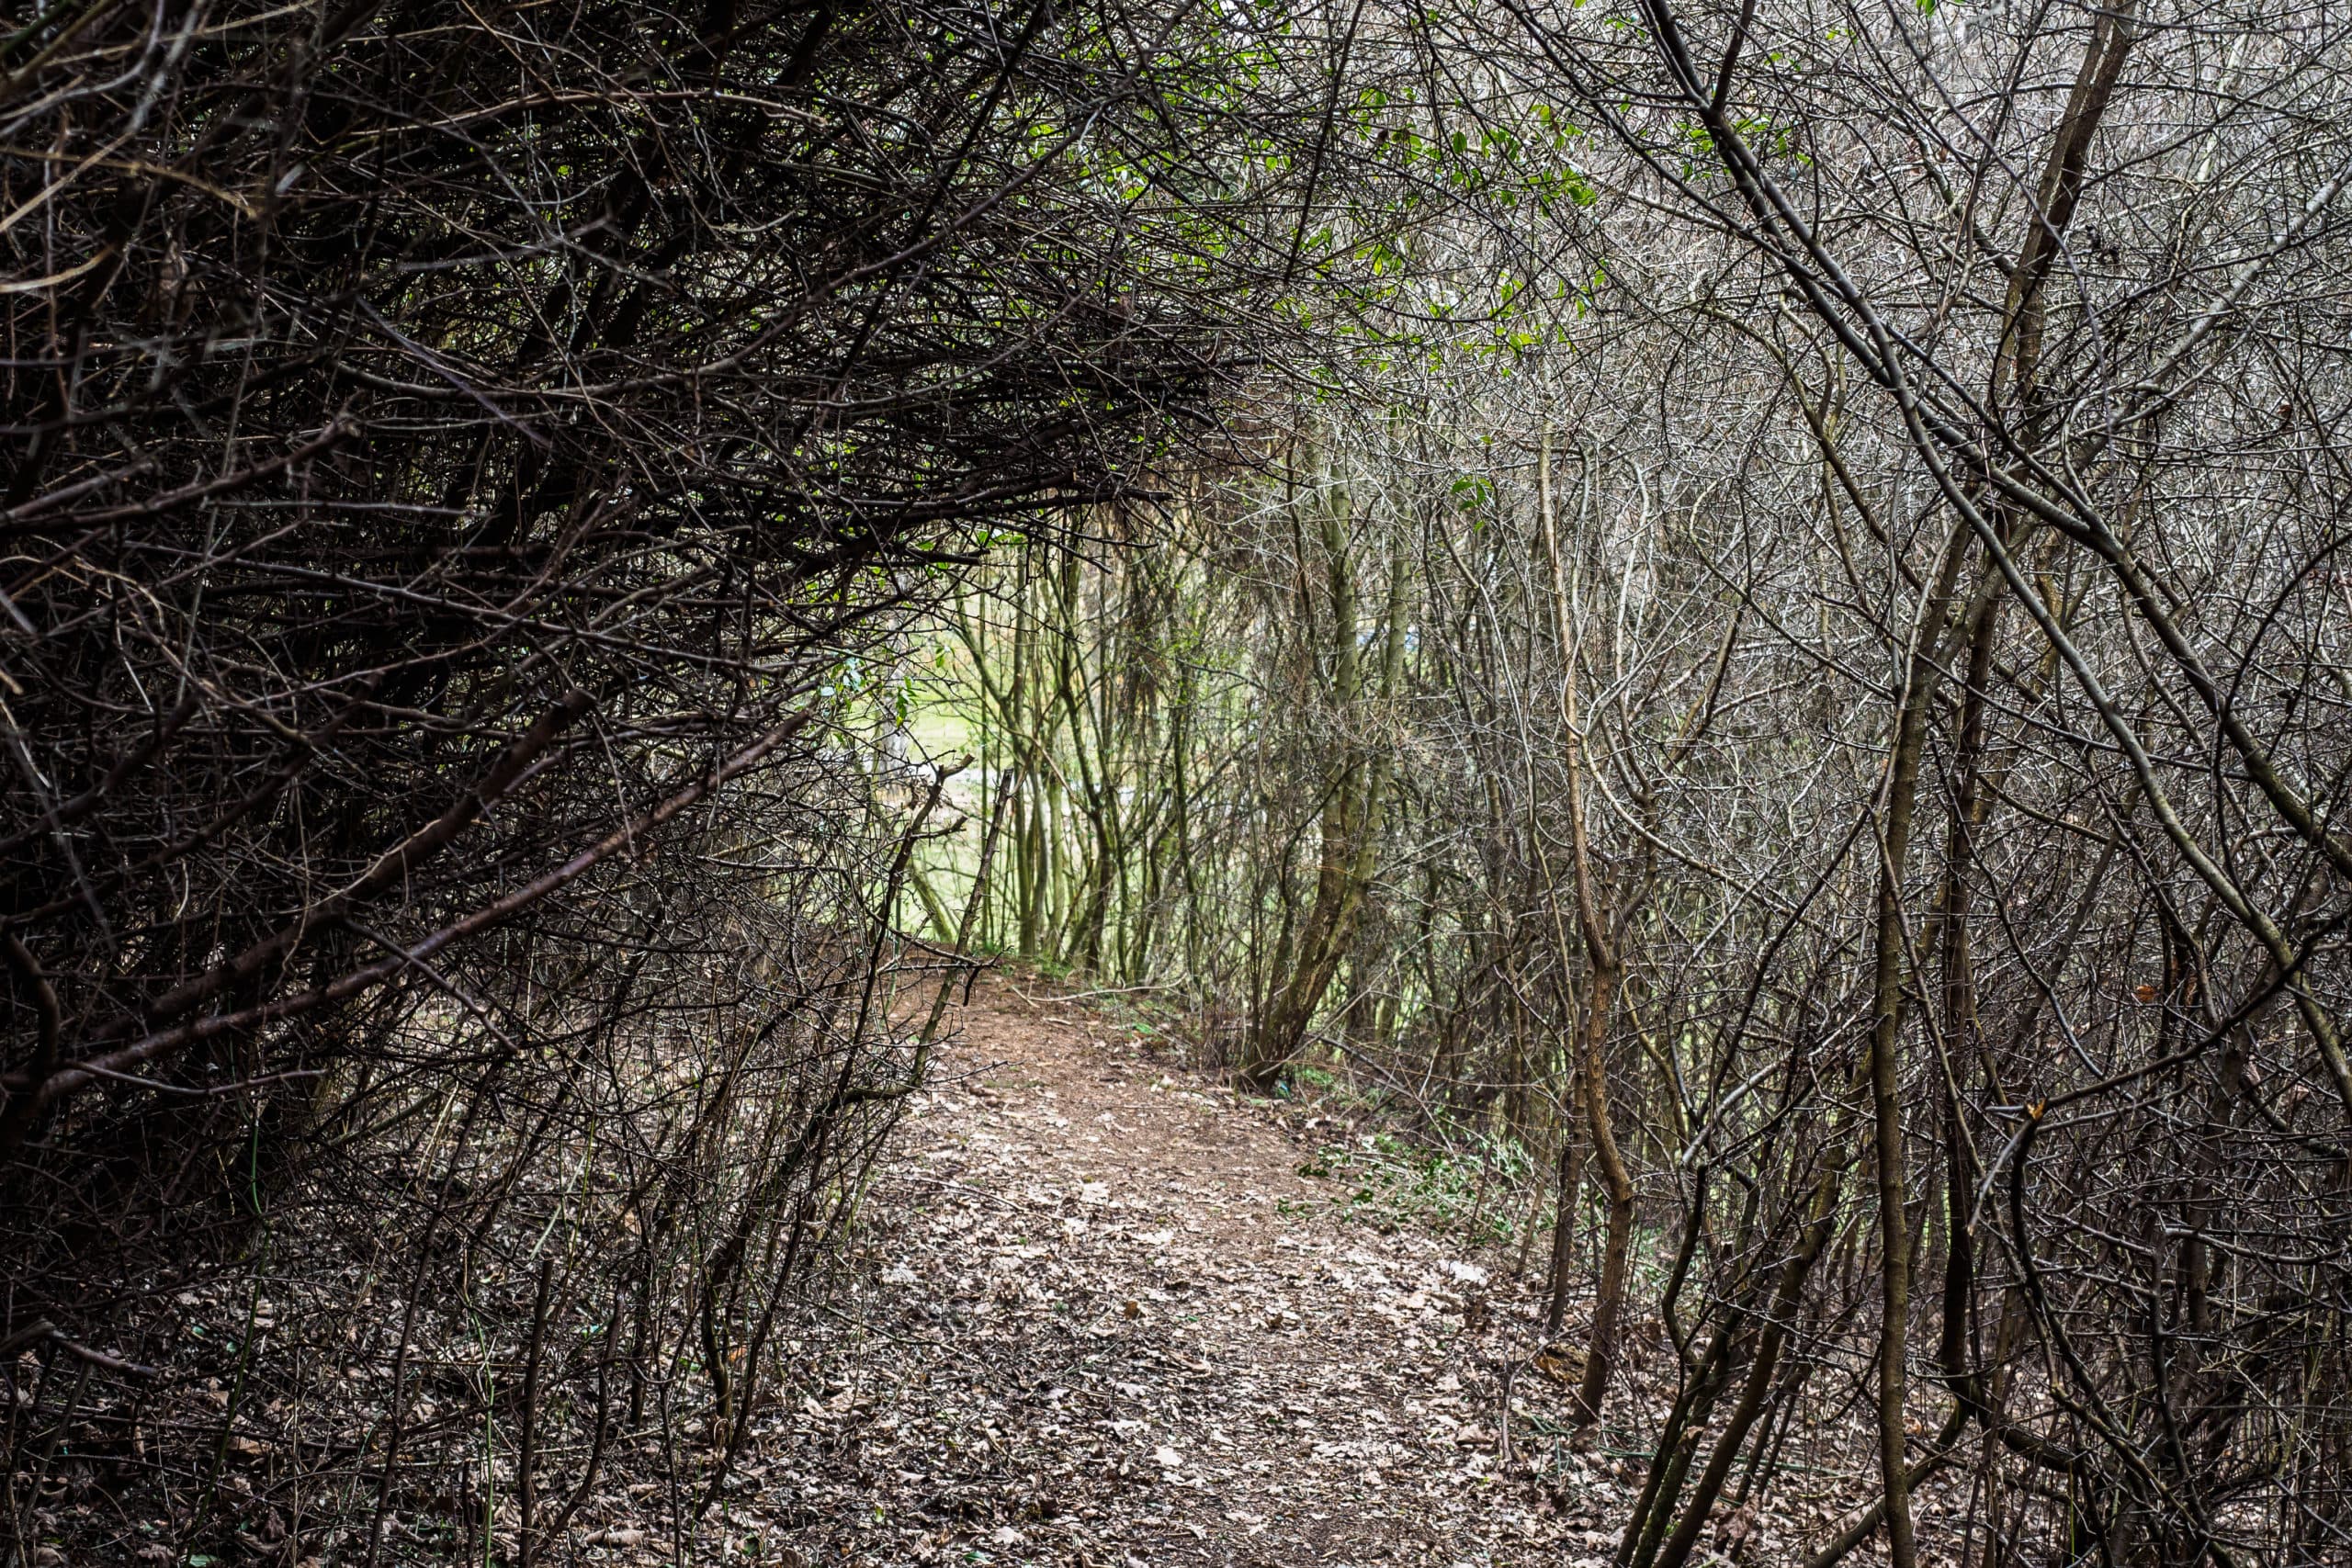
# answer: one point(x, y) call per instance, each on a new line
point(1393, 1183)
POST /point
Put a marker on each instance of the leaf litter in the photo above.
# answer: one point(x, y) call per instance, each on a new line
point(1107, 1322)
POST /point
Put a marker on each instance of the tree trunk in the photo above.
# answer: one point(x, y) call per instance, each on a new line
point(1922, 676)
point(1604, 972)
point(1351, 825)
point(1571, 1182)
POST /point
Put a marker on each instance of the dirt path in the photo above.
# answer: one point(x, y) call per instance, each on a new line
point(1113, 1324)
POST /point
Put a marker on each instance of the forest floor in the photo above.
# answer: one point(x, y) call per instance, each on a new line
point(1109, 1322)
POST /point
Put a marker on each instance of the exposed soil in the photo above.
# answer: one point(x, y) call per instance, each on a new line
point(1112, 1324)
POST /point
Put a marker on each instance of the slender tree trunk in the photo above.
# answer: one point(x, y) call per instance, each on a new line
point(1604, 972)
point(1608, 1302)
point(1564, 1221)
point(1350, 826)
point(1957, 965)
point(1820, 1221)
point(1922, 676)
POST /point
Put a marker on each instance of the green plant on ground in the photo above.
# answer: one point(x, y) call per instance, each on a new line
point(1395, 1183)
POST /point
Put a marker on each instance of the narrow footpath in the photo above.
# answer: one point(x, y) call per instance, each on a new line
point(1112, 1324)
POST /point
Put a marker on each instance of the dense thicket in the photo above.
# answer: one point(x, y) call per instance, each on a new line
point(1787, 668)
point(1815, 713)
point(460, 460)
